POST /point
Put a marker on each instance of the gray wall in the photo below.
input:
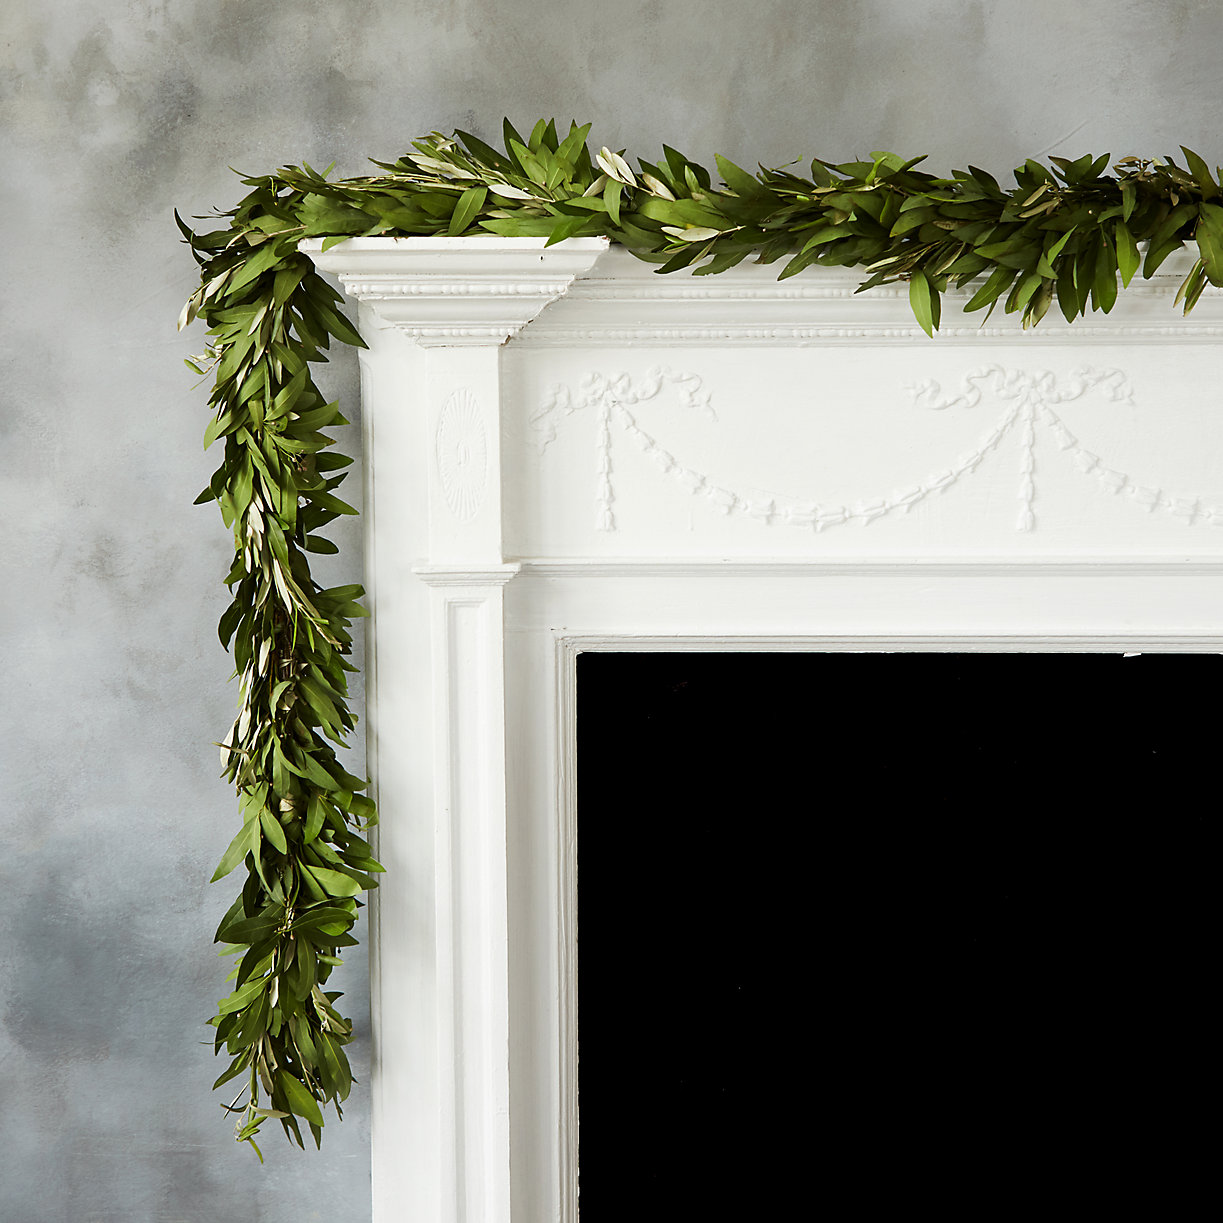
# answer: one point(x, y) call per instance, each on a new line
point(112, 112)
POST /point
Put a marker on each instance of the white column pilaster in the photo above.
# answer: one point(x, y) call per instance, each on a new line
point(437, 314)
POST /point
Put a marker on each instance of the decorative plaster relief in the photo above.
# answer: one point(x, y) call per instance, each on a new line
point(1029, 394)
point(461, 452)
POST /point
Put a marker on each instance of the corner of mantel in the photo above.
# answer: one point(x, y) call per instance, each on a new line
point(447, 292)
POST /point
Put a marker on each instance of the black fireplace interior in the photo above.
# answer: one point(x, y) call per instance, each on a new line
point(890, 928)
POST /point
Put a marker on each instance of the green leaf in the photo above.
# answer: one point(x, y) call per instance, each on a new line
point(509, 134)
point(822, 236)
point(740, 181)
point(566, 227)
point(1067, 297)
point(323, 216)
point(1104, 287)
point(1038, 307)
point(1157, 253)
point(299, 1098)
point(1210, 242)
point(465, 211)
point(315, 815)
point(238, 1000)
point(328, 502)
point(240, 1063)
point(796, 265)
point(273, 831)
point(520, 227)
point(1201, 173)
point(287, 280)
point(1128, 259)
point(483, 152)
point(998, 282)
point(339, 326)
point(1129, 199)
point(264, 259)
point(321, 704)
point(1060, 245)
point(925, 301)
point(611, 197)
point(568, 148)
point(1023, 292)
point(239, 847)
point(912, 218)
point(334, 883)
point(313, 771)
point(218, 427)
point(1193, 286)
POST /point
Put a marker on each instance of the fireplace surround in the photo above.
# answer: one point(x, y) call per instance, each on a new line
point(565, 452)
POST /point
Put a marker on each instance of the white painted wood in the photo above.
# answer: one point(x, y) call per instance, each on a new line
point(406, 1147)
point(567, 452)
point(463, 413)
point(623, 302)
point(476, 292)
point(470, 891)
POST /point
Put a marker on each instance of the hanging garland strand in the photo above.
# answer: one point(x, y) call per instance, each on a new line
point(269, 316)
point(1065, 232)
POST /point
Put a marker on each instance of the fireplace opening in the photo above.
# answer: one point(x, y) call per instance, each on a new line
point(889, 924)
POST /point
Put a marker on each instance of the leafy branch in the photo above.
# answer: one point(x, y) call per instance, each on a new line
point(269, 317)
point(1069, 232)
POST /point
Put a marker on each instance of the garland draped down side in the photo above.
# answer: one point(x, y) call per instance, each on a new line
point(1066, 233)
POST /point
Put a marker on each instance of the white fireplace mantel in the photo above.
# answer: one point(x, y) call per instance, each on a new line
point(565, 451)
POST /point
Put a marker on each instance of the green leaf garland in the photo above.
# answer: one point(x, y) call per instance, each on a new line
point(1062, 233)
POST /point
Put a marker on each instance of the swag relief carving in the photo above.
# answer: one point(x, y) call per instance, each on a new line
point(1027, 400)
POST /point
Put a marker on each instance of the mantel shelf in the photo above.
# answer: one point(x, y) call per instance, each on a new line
point(447, 291)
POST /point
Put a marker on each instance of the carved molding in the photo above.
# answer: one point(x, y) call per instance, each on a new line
point(820, 567)
point(674, 288)
point(446, 575)
point(457, 291)
point(392, 286)
point(1032, 394)
point(463, 291)
point(551, 333)
point(622, 302)
point(460, 448)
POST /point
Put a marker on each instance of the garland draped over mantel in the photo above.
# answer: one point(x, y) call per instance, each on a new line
point(1064, 232)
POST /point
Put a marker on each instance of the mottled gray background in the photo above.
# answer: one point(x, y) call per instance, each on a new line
point(112, 112)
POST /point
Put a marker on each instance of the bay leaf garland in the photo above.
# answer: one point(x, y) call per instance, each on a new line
point(1071, 233)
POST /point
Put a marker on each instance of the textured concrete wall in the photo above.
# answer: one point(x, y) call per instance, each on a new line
point(112, 112)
